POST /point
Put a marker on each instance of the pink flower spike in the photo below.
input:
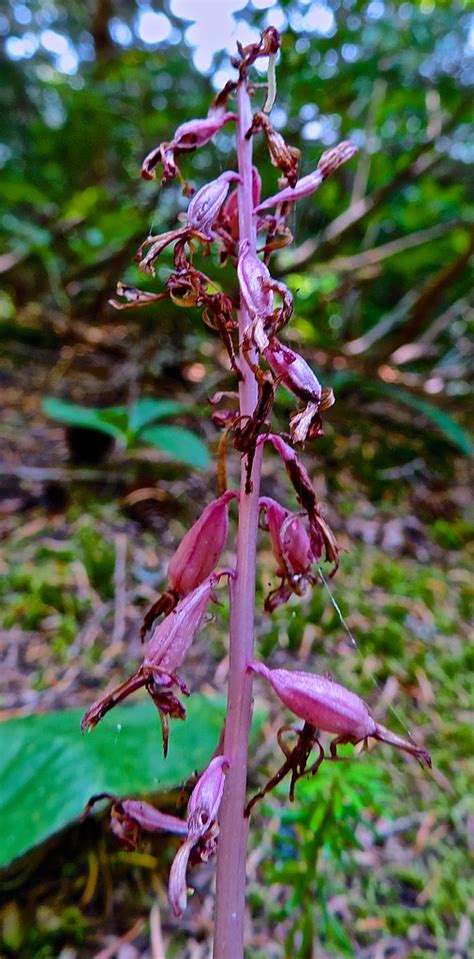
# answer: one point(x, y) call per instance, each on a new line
point(330, 161)
point(207, 202)
point(201, 547)
point(332, 708)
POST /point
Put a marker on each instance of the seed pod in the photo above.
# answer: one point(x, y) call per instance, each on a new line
point(320, 701)
point(293, 371)
point(333, 708)
point(201, 547)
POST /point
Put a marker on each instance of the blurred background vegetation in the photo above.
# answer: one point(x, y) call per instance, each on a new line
point(95, 490)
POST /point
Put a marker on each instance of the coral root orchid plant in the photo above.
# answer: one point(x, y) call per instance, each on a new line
point(230, 213)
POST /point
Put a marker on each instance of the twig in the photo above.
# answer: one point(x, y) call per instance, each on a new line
point(423, 159)
point(363, 167)
point(156, 937)
point(64, 474)
point(120, 584)
point(360, 261)
point(129, 936)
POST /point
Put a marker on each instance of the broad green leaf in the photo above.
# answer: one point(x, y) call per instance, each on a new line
point(444, 421)
point(179, 443)
point(146, 410)
point(48, 770)
point(74, 415)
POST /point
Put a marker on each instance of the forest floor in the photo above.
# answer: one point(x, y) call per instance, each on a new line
point(371, 860)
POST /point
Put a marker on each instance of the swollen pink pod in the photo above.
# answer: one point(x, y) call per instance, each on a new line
point(201, 547)
point(293, 371)
point(320, 702)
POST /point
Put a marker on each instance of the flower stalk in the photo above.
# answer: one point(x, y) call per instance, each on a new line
point(228, 212)
point(231, 856)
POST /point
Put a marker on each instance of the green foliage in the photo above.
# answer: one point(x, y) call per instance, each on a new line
point(313, 847)
point(445, 423)
point(131, 426)
point(412, 623)
point(49, 771)
point(387, 285)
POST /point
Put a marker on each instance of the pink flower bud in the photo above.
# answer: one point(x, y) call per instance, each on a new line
point(230, 210)
point(196, 133)
point(227, 223)
point(329, 162)
point(293, 371)
point(321, 535)
point(320, 701)
point(151, 819)
point(289, 539)
point(128, 817)
point(205, 205)
point(203, 808)
point(177, 885)
point(332, 708)
point(171, 639)
point(201, 547)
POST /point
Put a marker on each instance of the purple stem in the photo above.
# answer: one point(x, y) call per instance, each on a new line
point(232, 849)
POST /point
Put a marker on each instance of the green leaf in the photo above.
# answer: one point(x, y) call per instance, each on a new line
point(112, 421)
point(147, 410)
point(441, 419)
point(444, 421)
point(48, 770)
point(179, 443)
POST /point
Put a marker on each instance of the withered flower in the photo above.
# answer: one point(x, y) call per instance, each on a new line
point(329, 162)
point(284, 157)
point(297, 376)
point(292, 550)
point(188, 136)
point(165, 651)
